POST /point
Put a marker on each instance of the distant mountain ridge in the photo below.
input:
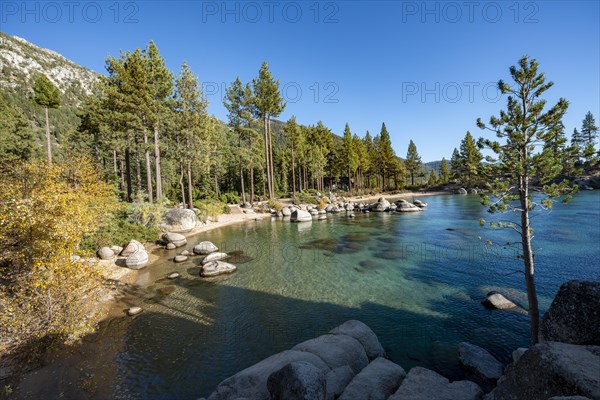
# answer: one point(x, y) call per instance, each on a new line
point(21, 61)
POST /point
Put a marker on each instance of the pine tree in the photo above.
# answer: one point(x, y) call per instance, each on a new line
point(470, 160)
point(268, 103)
point(371, 158)
point(444, 172)
point(17, 139)
point(413, 161)
point(193, 121)
point(161, 90)
point(455, 164)
point(387, 156)
point(589, 133)
point(523, 126)
point(349, 155)
point(295, 139)
point(433, 178)
point(48, 96)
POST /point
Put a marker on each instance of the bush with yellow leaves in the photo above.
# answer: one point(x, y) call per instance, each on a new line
point(45, 210)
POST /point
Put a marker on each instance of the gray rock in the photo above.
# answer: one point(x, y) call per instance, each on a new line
point(405, 206)
point(569, 398)
point(551, 369)
point(313, 211)
point(134, 311)
point(361, 332)
point(216, 256)
point(286, 212)
point(498, 301)
point(337, 380)
point(252, 382)
point(328, 208)
point(322, 212)
point(174, 275)
point(461, 191)
point(176, 238)
point(381, 205)
point(138, 259)
point(473, 191)
point(180, 258)
point(337, 351)
point(574, 315)
point(298, 380)
point(377, 381)
point(516, 355)
point(116, 249)
point(420, 203)
point(105, 253)
point(132, 246)
point(205, 247)
point(179, 220)
point(185, 253)
point(215, 268)
point(480, 365)
point(423, 384)
point(301, 216)
point(170, 246)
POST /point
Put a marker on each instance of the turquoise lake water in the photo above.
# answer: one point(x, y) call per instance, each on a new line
point(417, 280)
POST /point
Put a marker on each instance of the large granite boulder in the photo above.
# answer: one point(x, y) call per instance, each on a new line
point(215, 268)
point(300, 216)
point(337, 351)
point(205, 248)
point(138, 259)
point(381, 205)
point(551, 369)
point(176, 239)
point(105, 253)
point(179, 220)
point(216, 256)
point(480, 365)
point(298, 380)
point(286, 212)
point(377, 381)
point(405, 206)
point(131, 247)
point(252, 382)
point(361, 332)
point(424, 384)
point(574, 315)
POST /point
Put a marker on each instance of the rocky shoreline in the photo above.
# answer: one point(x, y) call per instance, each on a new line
point(349, 363)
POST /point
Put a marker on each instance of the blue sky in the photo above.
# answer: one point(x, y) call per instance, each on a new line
point(426, 69)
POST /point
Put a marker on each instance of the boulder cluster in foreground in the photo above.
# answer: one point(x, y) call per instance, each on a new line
point(349, 363)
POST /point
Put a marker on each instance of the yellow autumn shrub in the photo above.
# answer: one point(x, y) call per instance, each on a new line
point(45, 210)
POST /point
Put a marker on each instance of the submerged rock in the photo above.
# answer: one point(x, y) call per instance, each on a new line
point(180, 258)
point(574, 315)
point(174, 275)
point(215, 268)
point(498, 301)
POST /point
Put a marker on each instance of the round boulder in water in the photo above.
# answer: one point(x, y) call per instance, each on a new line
point(215, 268)
point(205, 247)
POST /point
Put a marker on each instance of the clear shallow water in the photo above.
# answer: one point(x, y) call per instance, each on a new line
point(417, 284)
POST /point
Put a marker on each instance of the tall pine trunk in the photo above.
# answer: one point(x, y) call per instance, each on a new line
point(242, 171)
point(128, 172)
point(189, 182)
point(293, 172)
point(534, 312)
point(251, 171)
point(148, 167)
point(159, 192)
point(181, 185)
point(48, 141)
point(267, 154)
point(138, 167)
point(115, 163)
